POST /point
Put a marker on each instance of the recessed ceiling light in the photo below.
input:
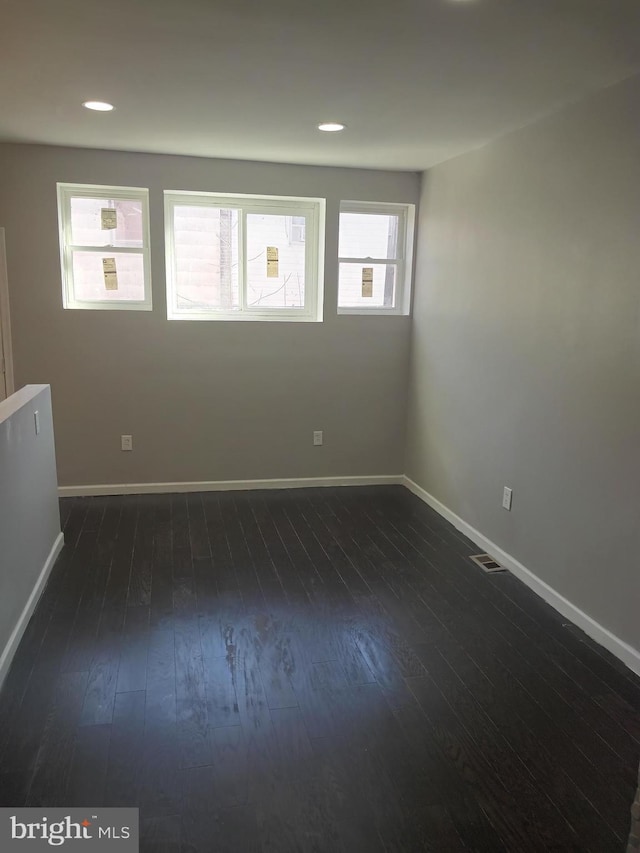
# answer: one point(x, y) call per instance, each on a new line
point(100, 106)
point(331, 126)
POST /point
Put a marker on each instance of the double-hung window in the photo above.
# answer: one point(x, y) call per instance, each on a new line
point(104, 247)
point(375, 258)
point(241, 257)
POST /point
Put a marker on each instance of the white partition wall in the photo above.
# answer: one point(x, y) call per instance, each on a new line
point(30, 537)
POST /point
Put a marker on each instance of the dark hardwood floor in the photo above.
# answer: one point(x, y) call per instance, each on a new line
point(312, 670)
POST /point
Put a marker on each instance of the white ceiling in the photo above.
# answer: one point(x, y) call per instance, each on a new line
point(416, 81)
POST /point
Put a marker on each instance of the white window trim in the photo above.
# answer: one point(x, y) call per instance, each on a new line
point(314, 211)
point(404, 261)
point(65, 193)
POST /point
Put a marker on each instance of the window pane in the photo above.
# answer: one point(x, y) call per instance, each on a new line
point(121, 279)
point(87, 220)
point(206, 253)
point(353, 283)
point(275, 266)
point(297, 229)
point(368, 235)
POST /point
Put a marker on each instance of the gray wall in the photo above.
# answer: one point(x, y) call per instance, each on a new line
point(29, 516)
point(204, 401)
point(525, 367)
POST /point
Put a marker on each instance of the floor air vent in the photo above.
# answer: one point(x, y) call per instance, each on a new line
point(487, 563)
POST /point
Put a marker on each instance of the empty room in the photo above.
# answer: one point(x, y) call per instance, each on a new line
point(319, 426)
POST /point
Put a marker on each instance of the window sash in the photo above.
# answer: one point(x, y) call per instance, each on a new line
point(362, 306)
point(381, 209)
point(138, 250)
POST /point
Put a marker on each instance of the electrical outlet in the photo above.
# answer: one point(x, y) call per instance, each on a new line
point(36, 422)
point(506, 498)
point(126, 442)
point(317, 437)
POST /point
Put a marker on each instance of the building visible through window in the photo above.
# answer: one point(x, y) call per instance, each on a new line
point(296, 229)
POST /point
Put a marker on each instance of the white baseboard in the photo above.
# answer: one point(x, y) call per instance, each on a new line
point(226, 485)
point(16, 635)
point(626, 653)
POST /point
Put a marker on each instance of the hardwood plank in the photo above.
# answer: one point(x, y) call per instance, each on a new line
point(294, 745)
point(191, 696)
point(53, 761)
point(126, 750)
point(132, 668)
point(161, 603)
point(199, 818)
point(218, 543)
point(198, 533)
point(159, 791)
point(141, 578)
point(161, 834)
point(88, 772)
point(103, 671)
point(238, 830)
point(14, 788)
point(181, 555)
point(230, 766)
point(221, 699)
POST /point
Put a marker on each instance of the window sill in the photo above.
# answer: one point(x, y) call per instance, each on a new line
point(374, 312)
point(108, 306)
point(242, 318)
